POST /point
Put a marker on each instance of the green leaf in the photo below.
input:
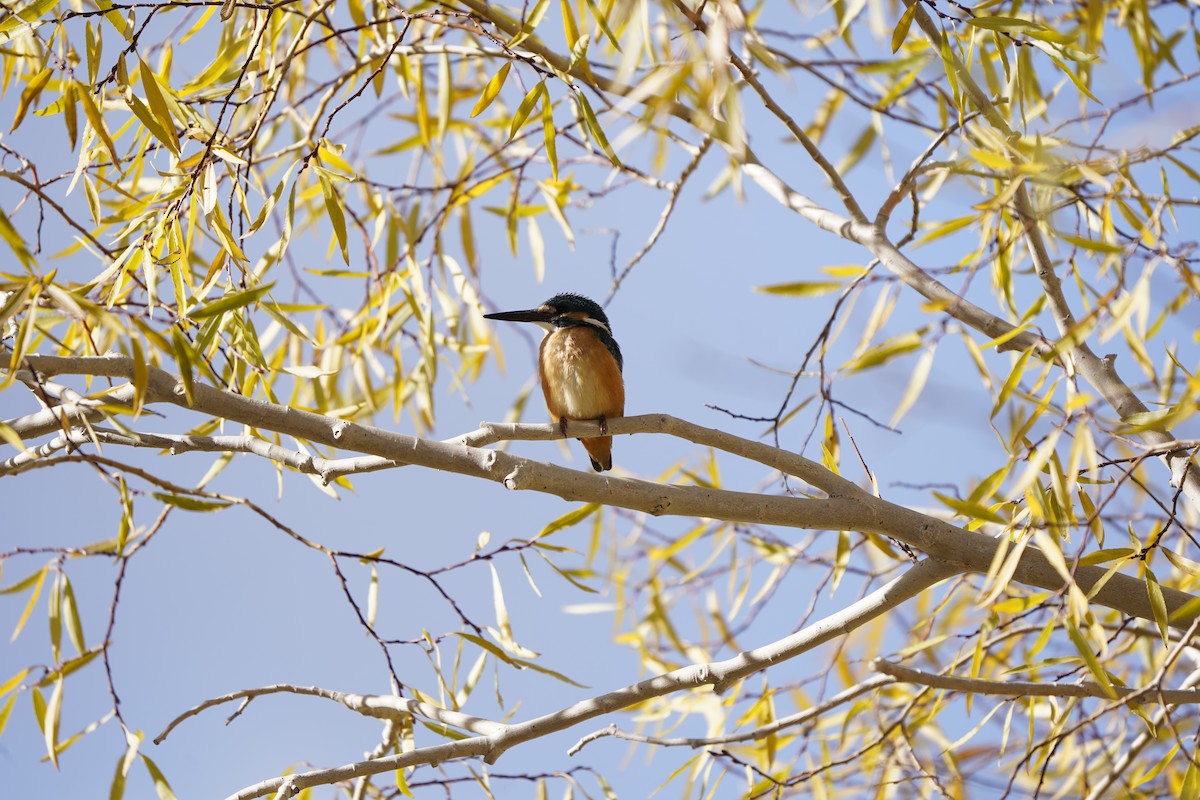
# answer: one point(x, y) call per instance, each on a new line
point(96, 119)
point(30, 13)
point(531, 22)
point(969, 509)
point(230, 302)
point(598, 15)
point(1004, 24)
point(1105, 555)
point(1158, 606)
point(516, 662)
point(548, 132)
point(1089, 658)
point(191, 503)
point(593, 126)
point(573, 517)
point(885, 352)
point(337, 217)
point(524, 109)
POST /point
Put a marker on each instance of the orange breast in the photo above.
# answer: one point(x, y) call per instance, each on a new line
point(580, 378)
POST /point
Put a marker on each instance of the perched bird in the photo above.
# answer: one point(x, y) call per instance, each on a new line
point(580, 367)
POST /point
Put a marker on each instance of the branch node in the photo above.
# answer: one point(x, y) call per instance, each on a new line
point(510, 480)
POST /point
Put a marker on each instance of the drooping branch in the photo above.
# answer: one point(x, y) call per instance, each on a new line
point(503, 737)
point(1100, 373)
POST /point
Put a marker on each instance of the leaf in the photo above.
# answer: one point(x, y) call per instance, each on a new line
point(230, 302)
point(158, 105)
point(969, 509)
point(337, 217)
point(9, 234)
point(516, 662)
point(1004, 24)
point(524, 109)
point(570, 27)
point(70, 613)
point(801, 288)
point(548, 132)
point(96, 119)
point(593, 126)
point(901, 30)
point(51, 720)
point(191, 503)
point(572, 517)
point(916, 384)
point(38, 579)
point(1089, 658)
point(141, 373)
point(1158, 606)
point(531, 22)
point(885, 352)
point(30, 13)
point(161, 787)
point(491, 90)
point(598, 15)
point(30, 94)
point(183, 357)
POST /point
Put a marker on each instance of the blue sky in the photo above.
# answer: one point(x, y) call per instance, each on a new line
point(222, 602)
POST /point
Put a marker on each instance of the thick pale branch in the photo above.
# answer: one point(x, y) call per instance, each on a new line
point(859, 511)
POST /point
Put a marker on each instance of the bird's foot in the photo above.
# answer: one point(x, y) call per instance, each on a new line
point(603, 425)
point(562, 425)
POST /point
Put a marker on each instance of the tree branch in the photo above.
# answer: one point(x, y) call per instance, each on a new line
point(720, 675)
point(852, 510)
point(956, 683)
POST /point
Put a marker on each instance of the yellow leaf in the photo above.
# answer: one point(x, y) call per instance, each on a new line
point(901, 30)
point(491, 90)
point(96, 119)
point(801, 288)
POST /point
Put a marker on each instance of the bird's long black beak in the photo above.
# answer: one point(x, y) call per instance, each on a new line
point(532, 315)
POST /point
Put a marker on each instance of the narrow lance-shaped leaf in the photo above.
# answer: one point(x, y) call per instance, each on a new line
point(548, 132)
point(492, 90)
point(96, 119)
point(29, 95)
point(524, 109)
point(231, 302)
point(901, 31)
point(593, 126)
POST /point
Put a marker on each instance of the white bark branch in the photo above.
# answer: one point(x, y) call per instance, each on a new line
point(719, 674)
point(380, 706)
point(850, 509)
point(1031, 688)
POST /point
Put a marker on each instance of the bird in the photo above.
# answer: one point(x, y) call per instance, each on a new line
point(580, 366)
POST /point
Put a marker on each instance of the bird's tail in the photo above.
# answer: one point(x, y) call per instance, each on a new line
point(599, 449)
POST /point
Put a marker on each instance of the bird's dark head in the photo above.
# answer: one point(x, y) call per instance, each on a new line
point(560, 311)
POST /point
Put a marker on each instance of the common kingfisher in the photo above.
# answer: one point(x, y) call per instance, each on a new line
point(580, 366)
